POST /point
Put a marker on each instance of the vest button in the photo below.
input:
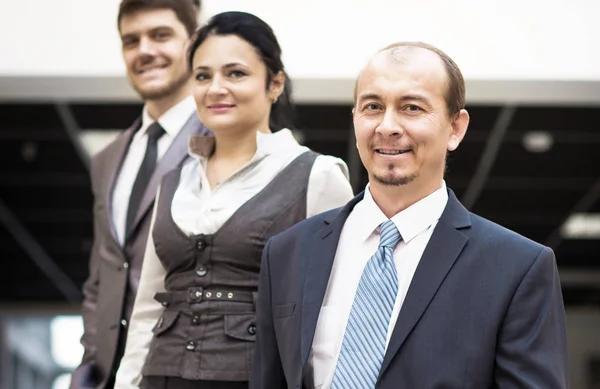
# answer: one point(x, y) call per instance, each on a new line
point(252, 329)
point(196, 320)
point(201, 271)
point(201, 245)
point(191, 346)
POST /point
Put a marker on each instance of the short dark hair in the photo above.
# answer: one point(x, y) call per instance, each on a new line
point(456, 91)
point(186, 10)
point(260, 35)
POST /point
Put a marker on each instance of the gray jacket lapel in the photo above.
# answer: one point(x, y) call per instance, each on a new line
point(175, 155)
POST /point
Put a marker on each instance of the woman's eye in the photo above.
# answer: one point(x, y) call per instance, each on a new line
point(236, 74)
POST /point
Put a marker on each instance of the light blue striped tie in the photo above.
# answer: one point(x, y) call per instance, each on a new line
point(364, 341)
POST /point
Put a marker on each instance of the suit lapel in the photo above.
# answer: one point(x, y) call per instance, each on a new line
point(444, 247)
point(318, 269)
point(114, 160)
point(177, 153)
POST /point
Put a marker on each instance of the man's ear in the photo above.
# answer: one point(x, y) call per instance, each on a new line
point(460, 124)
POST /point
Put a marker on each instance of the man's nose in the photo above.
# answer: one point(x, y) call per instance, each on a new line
point(390, 125)
point(146, 46)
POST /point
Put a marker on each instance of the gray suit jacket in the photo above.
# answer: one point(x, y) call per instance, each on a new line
point(484, 309)
point(115, 270)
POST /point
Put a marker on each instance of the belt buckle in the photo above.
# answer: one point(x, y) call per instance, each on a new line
point(195, 295)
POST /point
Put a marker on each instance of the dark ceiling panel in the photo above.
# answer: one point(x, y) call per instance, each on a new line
point(106, 116)
point(462, 162)
point(47, 198)
point(556, 118)
point(481, 119)
point(582, 296)
point(563, 160)
point(324, 116)
point(29, 116)
point(337, 149)
point(39, 157)
point(579, 253)
point(595, 208)
point(24, 281)
point(536, 200)
point(46, 186)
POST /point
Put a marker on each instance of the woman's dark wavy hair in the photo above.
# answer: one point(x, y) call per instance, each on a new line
point(260, 35)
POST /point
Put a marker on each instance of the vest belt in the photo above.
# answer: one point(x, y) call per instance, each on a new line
point(196, 295)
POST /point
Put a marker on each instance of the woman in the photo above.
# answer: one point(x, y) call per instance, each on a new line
point(213, 217)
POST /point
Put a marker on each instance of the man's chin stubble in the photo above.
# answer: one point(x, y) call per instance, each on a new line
point(393, 180)
point(166, 91)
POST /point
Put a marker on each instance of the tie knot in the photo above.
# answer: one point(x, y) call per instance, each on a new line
point(390, 236)
point(155, 131)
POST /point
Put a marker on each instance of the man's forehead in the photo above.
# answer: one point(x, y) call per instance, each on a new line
point(148, 19)
point(402, 61)
point(406, 58)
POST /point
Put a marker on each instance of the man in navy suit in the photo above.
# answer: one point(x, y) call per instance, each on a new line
point(403, 287)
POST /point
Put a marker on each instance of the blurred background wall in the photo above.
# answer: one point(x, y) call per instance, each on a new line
point(530, 160)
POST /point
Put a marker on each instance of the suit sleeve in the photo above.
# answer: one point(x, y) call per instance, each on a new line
point(84, 376)
point(267, 370)
point(532, 343)
point(328, 185)
point(146, 312)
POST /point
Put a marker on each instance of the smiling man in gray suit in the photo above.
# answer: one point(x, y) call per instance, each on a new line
point(403, 287)
point(125, 175)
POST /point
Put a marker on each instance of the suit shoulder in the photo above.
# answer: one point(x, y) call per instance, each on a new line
point(502, 237)
point(99, 159)
point(306, 226)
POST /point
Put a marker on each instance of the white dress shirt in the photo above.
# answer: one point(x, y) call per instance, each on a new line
point(197, 209)
point(172, 122)
point(359, 240)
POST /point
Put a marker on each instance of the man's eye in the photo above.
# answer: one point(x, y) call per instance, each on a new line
point(161, 35)
point(129, 43)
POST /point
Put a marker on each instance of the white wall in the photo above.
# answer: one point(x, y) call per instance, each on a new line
point(491, 40)
point(59, 37)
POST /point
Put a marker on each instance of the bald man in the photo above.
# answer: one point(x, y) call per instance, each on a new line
point(403, 287)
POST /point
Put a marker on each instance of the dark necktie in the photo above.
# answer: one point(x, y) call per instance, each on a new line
point(155, 131)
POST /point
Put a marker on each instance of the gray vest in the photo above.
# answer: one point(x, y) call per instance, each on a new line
point(207, 330)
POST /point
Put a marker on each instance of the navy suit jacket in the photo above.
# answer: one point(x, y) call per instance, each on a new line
point(484, 308)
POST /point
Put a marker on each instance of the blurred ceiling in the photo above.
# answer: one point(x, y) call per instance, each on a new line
point(527, 167)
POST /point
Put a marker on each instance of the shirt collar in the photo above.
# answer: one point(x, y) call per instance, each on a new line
point(266, 144)
point(174, 119)
point(410, 222)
